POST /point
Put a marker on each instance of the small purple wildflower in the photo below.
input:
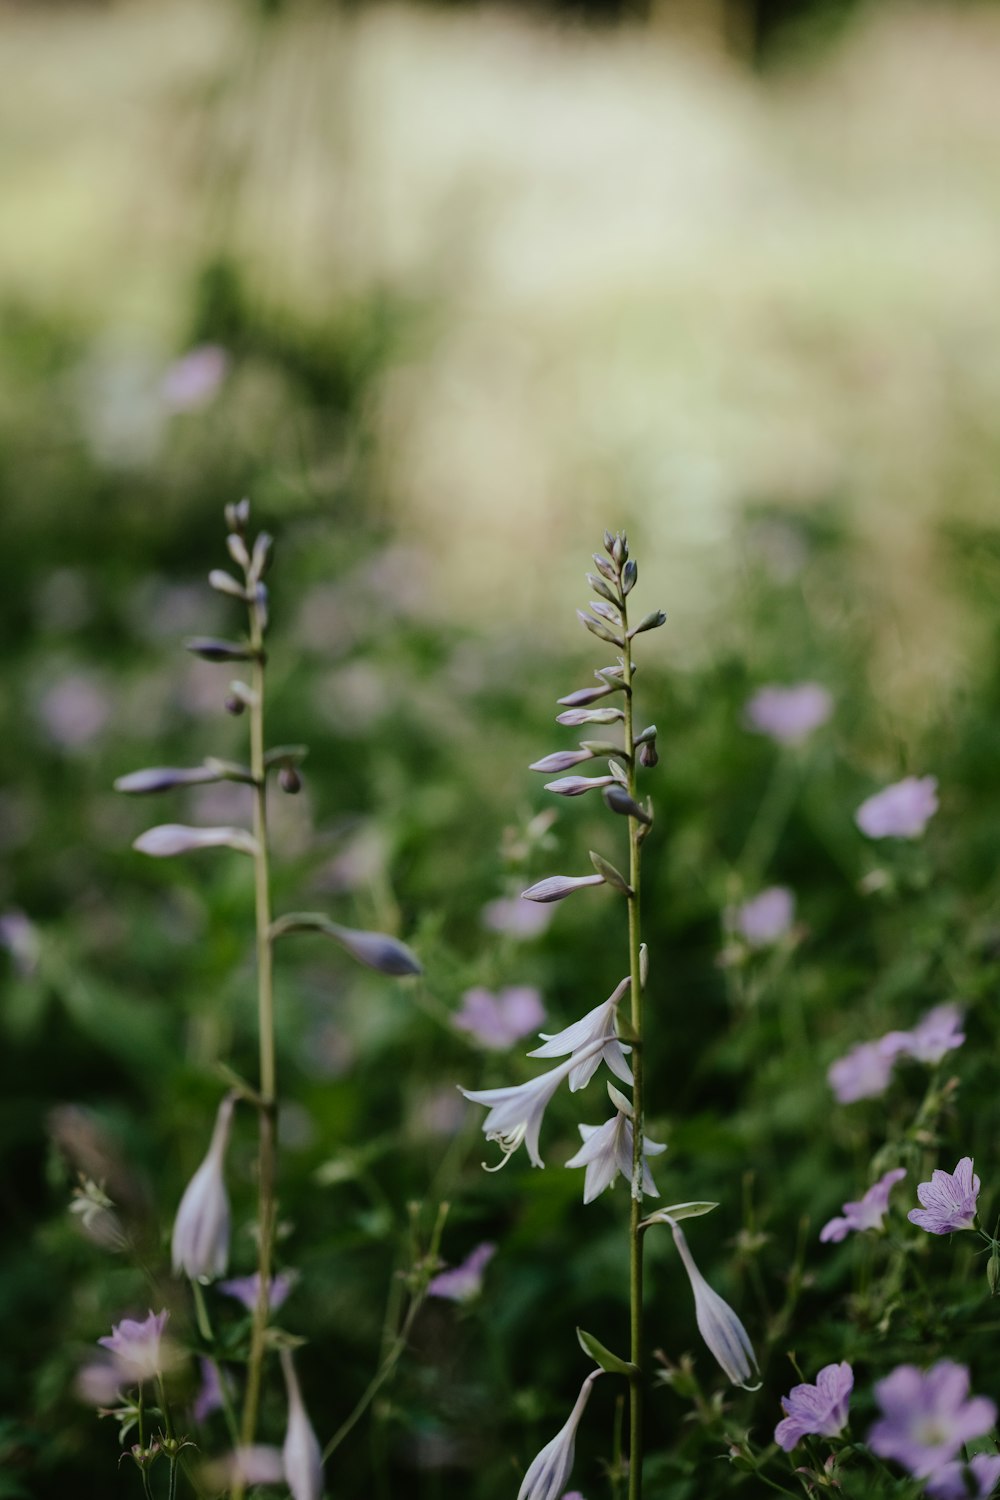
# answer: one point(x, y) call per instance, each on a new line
point(862, 1073)
point(209, 1396)
point(766, 918)
point(464, 1281)
point(900, 811)
point(789, 714)
point(245, 1289)
point(939, 1031)
point(137, 1347)
point(926, 1417)
point(819, 1408)
point(867, 1213)
point(949, 1200)
point(514, 917)
point(193, 380)
point(499, 1020)
point(949, 1482)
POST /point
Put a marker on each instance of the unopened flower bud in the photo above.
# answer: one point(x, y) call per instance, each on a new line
point(647, 754)
point(290, 780)
point(200, 1244)
point(302, 1455)
point(234, 705)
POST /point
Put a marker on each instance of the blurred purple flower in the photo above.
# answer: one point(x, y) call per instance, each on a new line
point(515, 918)
point(949, 1482)
point(137, 1347)
point(19, 937)
point(765, 918)
point(499, 1020)
point(949, 1200)
point(926, 1417)
point(75, 709)
point(940, 1031)
point(465, 1281)
point(862, 1073)
point(209, 1397)
point(900, 811)
point(820, 1409)
point(98, 1383)
point(245, 1288)
point(867, 1213)
point(789, 714)
point(193, 380)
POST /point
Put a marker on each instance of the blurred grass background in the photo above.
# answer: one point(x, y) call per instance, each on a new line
point(483, 282)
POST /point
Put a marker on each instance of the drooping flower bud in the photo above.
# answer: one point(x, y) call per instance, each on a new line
point(303, 1457)
point(718, 1325)
point(200, 1243)
point(550, 1469)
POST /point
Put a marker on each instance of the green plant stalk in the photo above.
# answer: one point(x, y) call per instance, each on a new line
point(267, 1113)
point(635, 1214)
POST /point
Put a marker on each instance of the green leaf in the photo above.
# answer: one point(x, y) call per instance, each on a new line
point(612, 876)
point(678, 1211)
point(596, 1351)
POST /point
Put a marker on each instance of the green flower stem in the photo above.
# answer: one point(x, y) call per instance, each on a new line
point(267, 1112)
point(635, 1215)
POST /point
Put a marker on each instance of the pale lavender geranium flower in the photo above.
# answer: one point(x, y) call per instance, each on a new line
point(138, 1347)
point(245, 1289)
point(464, 1281)
point(949, 1200)
point(193, 380)
point(766, 918)
point(900, 811)
point(789, 714)
point(862, 1073)
point(820, 1409)
point(951, 1481)
point(939, 1031)
point(516, 918)
point(927, 1416)
point(867, 1213)
point(598, 1025)
point(498, 1020)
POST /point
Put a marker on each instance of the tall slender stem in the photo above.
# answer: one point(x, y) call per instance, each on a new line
point(267, 1148)
point(635, 1215)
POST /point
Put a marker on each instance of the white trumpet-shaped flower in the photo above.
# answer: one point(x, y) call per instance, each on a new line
point(598, 1025)
point(718, 1325)
point(200, 1244)
point(550, 1469)
point(607, 1150)
point(301, 1453)
point(516, 1111)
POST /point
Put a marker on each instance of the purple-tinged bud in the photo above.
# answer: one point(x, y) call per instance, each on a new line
point(376, 950)
point(164, 779)
point(597, 628)
point(234, 705)
point(606, 611)
point(651, 621)
point(619, 801)
point(560, 760)
point(600, 587)
point(619, 549)
point(630, 573)
point(289, 780)
point(238, 549)
point(605, 568)
point(210, 649)
point(260, 599)
point(238, 515)
point(225, 583)
point(575, 786)
point(609, 542)
point(200, 1243)
point(177, 838)
point(301, 1453)
point(576, 716)
point(557, 887)
point(647, 754)
point(263, 555)
point(586, 695)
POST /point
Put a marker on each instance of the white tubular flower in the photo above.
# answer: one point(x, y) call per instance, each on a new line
point(200, 1244)
point(302, 1455)
point(549, 1471)
point(598, 1025)
point(606, 1151)
point(718, 1325)
point(516, 1112)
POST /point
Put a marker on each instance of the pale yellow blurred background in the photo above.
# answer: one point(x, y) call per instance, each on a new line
point(649, 285)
